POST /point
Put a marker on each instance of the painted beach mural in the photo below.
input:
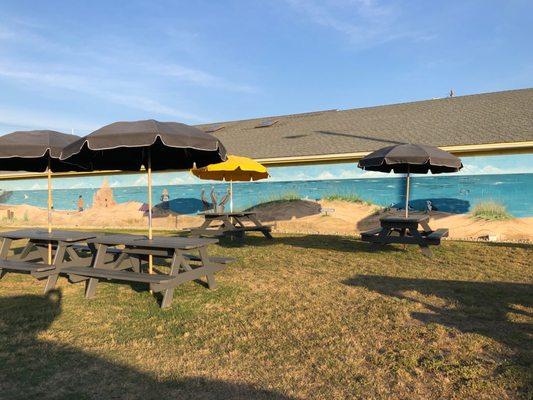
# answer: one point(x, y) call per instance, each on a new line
point(491, 196)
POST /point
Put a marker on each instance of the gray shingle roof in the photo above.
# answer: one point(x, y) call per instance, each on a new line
point(501, 117)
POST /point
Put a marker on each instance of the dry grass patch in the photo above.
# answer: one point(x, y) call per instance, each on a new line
point(306, 317)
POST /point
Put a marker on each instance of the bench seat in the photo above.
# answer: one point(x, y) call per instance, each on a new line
point(372, 232)
point(218, 260)
point(24, 266)
point(117, 275)
point(438, 234)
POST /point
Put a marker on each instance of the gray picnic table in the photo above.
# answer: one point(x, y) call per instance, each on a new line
point(234, 224)
point(64, 252)
point(184, 266)
point(402, 230)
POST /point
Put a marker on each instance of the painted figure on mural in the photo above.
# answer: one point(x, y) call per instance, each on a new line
point(165, 198)
point(80, 203)
point(214, 205)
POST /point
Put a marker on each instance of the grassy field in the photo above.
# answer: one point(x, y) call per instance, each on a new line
point(301, 317)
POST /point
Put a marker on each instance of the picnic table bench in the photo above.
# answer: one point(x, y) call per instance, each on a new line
point(62, 242)
point(184, 266)
point(233, 224)
point(403, 230)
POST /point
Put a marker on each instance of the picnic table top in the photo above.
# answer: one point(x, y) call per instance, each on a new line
point(42, 234)
point(116, 238)
point(158, 242)
point(226, 214)
point(400, 219)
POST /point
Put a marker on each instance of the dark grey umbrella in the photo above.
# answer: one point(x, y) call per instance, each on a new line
point(157, 146)
point(127, 146)
point(410, 158)
point(33, 151)
point(36, 151)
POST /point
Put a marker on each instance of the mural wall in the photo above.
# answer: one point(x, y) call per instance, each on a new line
point(507, 180)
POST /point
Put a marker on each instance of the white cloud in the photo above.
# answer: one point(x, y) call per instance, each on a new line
point(184, 179)
point(32, 119)
point(364, 22)
point(140, 181)
point(350, 173)
point(326, 175)
point(374, 174)
point(93, 86)
point(118, 56)
point(472, 169)
point(77, 185)
point(198, 77)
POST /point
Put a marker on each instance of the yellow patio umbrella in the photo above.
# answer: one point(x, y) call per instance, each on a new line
point(234, 169)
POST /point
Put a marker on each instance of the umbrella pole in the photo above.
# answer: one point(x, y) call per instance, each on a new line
point(407, 194)
point(49, 178)
point(149, 171)
point(231, 196)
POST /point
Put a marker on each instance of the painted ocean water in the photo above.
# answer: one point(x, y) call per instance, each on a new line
point(447, 192)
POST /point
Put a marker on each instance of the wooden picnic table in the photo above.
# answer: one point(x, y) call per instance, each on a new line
point(184, 266)
point(64, 253)
point(402, 230)
point(234, 224)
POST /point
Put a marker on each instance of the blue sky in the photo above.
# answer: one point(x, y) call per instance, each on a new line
point(82, 64)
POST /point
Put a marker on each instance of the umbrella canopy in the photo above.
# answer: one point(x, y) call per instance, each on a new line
point(126, 146)
point(415, 158)
point(157, 146)
point(234, 169)
point(410, 158)
point(37, 151)
point(32, 151)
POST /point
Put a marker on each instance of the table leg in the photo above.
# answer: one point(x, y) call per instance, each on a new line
point(425, 226)
point(259, 224)
point(90, 287)
point(237, 223)
point(99, 258)
point(421, 242)
point(42, 251)
point(177, 262)
point(211, 283)
point(426, 251)
point(27, 250)
point(4, 250)
point(58, 262)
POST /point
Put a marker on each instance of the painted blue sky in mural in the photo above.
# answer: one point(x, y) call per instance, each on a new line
point(472, 166)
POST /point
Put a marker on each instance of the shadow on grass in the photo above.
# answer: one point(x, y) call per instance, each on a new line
point(324, 242)
point(36, 368)
point(485, 308)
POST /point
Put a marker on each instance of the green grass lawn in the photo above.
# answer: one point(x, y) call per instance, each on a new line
point(304, 317)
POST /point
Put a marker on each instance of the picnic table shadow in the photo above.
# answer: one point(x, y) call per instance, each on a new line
point(33, 367)
point(475, 307)
point(348, 244)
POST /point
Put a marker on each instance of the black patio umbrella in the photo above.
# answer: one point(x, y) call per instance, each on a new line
point(157, 146)
point(411, 158)
point(36, 151)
